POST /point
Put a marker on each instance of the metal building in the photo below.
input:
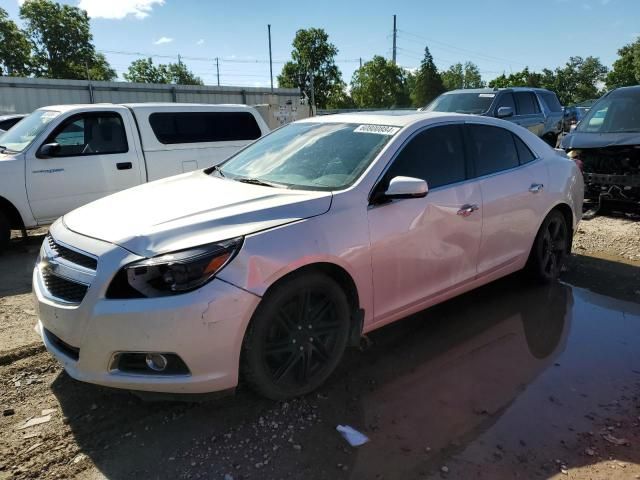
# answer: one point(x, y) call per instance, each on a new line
point(23, 95)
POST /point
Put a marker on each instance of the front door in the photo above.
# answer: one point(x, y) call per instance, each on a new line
point(528, 112)
point(94, 157)
point(422, 247)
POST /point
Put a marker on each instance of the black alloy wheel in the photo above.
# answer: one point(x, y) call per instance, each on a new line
point(297, 337)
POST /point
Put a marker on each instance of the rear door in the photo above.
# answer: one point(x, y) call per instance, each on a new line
point(528, 112)
point(511, 180)
point(422, 247)
point(95, 157)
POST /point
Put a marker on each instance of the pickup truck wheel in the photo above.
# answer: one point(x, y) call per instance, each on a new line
point(550, 248)
point(296, 337)
point(5, 232)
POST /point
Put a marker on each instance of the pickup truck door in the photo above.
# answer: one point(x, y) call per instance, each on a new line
point(528, 112)
point(95, 155)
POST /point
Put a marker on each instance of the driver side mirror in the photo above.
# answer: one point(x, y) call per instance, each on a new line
point(406, 187)
point(504, 112)
point(49, 150)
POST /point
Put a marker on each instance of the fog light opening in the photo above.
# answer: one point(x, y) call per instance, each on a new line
point(156, 362)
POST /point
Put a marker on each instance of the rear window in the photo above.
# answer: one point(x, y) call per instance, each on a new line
point(552, 101)
point(200, 127)
point(462, 102)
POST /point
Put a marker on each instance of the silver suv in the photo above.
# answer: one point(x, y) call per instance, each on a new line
point(534, 108)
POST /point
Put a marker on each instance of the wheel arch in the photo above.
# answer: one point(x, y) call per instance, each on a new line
point(12, 214)
point(343, 278)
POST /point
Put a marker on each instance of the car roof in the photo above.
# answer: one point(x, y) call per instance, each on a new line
point(148, 106)
point(395, 118)
point(496, 90)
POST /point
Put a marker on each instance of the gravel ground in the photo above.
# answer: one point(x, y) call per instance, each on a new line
point(609, 237)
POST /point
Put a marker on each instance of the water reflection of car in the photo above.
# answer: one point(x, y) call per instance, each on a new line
point(461, 377)
point(606, 145)
point(536, 109)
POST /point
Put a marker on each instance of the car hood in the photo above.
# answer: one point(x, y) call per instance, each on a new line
point(191, 209)
point(599, 140)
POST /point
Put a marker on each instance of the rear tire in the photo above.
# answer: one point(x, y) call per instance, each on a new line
point(297, 337)
point(5, 232)
point(550, 249)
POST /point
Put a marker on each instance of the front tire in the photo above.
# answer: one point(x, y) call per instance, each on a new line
point(550, 248)
point(297, 337)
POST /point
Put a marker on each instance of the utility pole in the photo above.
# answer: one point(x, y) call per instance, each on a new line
point(270, 59)
point(179, 61)
point(313, 93)
point(360, 62)
point(395, 34)
point(218, 70)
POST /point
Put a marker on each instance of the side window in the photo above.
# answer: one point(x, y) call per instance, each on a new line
point(552, 101)
point(201, 127)
point(526, 103)
point(524, 153)
point(494, 148)
point(90, 134)
point(506, 100)
point(435, 155)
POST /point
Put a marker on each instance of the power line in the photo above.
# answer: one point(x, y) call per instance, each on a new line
point(449, 46)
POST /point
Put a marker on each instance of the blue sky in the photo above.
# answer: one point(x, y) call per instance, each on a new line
point(498, 35)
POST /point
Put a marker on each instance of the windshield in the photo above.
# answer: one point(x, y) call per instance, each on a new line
point(22, 133)
point(615, 113)
point(475, 103)
point(314, 156)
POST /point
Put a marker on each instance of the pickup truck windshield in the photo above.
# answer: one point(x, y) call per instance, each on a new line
point(311, 156)
point(461, 103)
point(22, 133)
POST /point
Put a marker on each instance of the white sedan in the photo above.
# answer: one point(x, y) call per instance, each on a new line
point(267, 267)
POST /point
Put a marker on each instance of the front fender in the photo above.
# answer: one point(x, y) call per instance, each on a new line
point(341, 239)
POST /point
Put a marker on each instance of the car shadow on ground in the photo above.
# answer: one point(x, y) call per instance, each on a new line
point(16, 265)
point(428, 386)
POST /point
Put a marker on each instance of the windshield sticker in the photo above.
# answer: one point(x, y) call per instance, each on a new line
point(378, 129)
point(487, 95)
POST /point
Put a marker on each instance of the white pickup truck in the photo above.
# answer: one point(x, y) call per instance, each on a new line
point(64, 156)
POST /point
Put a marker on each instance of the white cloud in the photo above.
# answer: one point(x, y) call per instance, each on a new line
point(163, 40)
point(200, 42)
point(118, 9)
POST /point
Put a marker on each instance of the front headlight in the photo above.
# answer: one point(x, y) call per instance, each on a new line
point(173, 273)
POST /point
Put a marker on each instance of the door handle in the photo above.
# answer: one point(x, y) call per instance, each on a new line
point(468, 209)
point(124, 166)
point(536, 187)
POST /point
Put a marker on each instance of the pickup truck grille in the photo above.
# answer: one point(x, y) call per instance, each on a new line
point(72, 255)
point(66, 290)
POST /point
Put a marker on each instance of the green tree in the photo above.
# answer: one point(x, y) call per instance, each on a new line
point(577, 81)
point(462, 76)
point(15, 51)
point(380, 83)
point(313, 54)
point(523, 78)
point(145, 71)
point(60, 38)
point(626, 69)
point(426, 84)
